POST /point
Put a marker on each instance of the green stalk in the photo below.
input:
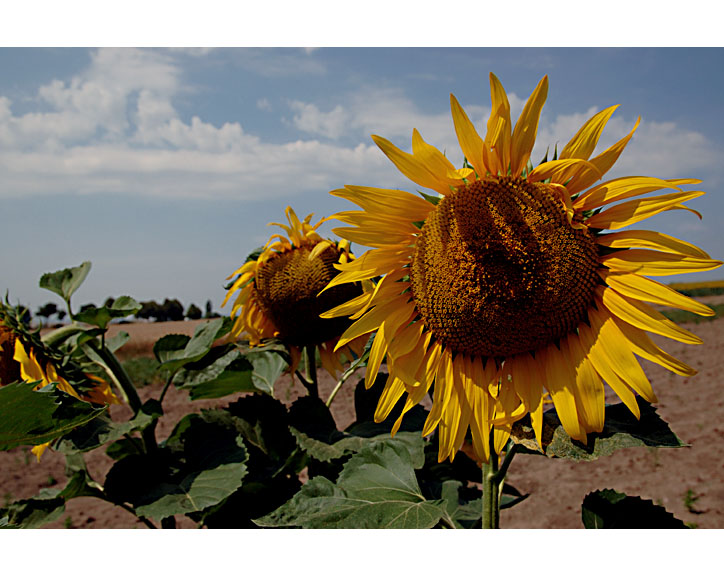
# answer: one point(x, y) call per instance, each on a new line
point(491, 492)
point(310, 363)
point(347, 373)
point(60, 335)
point(493, 479)
point(118, 374)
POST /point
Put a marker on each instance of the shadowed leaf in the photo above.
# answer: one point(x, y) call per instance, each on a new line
point(611, 509)
point(621, 430)
point(377, 488)
point(35, 417)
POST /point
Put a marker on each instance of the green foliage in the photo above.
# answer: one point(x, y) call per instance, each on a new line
point(142, 371)
point(376, 489)
point(621, 430)
point(611, 509)
point(175, 351)
point(34, 417)
point(65, 282)
point(101, 317)
point(200, 464)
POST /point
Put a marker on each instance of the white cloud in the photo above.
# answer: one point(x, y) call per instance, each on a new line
point(661, 149)
point(308, 118)
point(115, 128)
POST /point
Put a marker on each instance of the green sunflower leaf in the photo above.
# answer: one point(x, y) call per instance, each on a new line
point(200, 465)
point(174, 351)
point(611, 509)
point(103, 430)
point(621, 430)
point(34, 417)
point(377, 488)
point(65, 282)
point(122, 306)
point(49, 504)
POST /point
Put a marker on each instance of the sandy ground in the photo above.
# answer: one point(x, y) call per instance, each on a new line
point(688, 481)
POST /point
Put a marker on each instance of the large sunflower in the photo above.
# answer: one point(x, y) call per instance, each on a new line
point(24, 357)
point(278, 294)
point(506, 286)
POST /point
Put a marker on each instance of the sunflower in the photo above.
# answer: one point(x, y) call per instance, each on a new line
point(278, 294)
point(24, 357)
point(514, 283)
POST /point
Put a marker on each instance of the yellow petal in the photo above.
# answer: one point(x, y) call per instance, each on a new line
point(591, 342)
point(395, 203)
point(622, 360)
point(559, 171)
point(387, 330)
point(584, 142)
point(441, 394)
point(602, 163)
point(319, 248)
point(412, 167)
point(30, 370)
point(39, 449)
point(408, 365)
point(394, 388)
point(372, 320)
point(642, 288)
point(589, 392)
point(498, 137)
point(349, 307)
point(650, 240)
point(558, 381)
point(377, 237)
point(365, 219)
point(470, 141)
point(643, 316)
point(655, 263)
point(623, 188)
point(643, 346)
point(448, 428)
point(430, 155)
point(636, 210)
point(526, 128)
point(528, 382)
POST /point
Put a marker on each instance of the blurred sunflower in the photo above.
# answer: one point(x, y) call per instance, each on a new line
point(504, 287)
point(278, 294)
point(24, 357)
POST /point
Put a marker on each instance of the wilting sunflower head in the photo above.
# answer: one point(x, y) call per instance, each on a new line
point(279, 291)
point(25, 358)
point(510, 285)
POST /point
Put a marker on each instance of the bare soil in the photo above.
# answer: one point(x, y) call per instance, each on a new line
point(688, 482)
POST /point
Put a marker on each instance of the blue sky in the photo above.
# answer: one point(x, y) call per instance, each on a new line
point(163, 166)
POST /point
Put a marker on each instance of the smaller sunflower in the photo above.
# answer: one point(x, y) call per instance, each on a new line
point(279, 294)
point(24, 357)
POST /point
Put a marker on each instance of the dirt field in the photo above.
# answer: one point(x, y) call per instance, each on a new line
point(688, 481)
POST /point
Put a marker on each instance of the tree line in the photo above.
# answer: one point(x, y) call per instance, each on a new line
point(167, 311)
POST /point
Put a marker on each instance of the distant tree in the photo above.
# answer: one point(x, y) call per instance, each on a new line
point(61, 314)
point(86, 307)
point(109, 302)
point(210, 311)
point(149, 309)
point(47, 310)
point(173, 309)
point(193, 313)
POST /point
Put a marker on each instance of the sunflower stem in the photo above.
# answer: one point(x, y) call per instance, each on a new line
point(347, 373)
point(491, 490)
point(310, 364)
